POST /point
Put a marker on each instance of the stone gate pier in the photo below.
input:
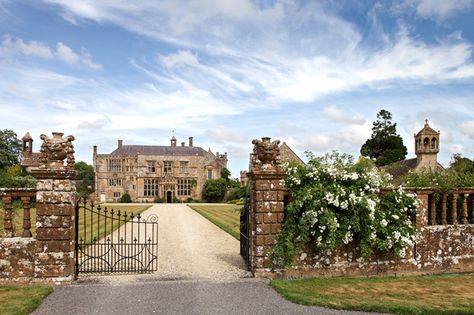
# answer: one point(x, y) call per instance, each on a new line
point(47, 256)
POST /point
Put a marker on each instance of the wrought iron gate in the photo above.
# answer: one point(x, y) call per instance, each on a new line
point(244, 232)
point(110, 241)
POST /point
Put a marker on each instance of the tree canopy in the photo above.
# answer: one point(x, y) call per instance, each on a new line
point(10, 149)
point(385, 145)
point(85, 178)
point(461, 164)
point(214, 189)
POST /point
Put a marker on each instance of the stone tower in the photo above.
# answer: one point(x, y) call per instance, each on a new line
point(427, 147)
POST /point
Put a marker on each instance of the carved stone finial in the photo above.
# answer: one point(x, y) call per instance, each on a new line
point(266, 154)
point(54, 150)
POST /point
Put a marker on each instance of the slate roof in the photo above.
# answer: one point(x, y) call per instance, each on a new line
point(131, 150)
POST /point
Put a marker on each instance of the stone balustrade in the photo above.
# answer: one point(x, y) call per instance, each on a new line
point(26, 195)
point(446, 207)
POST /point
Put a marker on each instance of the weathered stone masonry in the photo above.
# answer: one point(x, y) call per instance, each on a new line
point(445, 243)
point(48, 257)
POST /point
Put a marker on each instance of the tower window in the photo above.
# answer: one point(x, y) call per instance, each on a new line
point(434, 143)
point(426, 143)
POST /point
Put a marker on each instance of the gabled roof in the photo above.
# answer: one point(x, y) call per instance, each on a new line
point(131, 150)
point(427, 130)
point(288, 155)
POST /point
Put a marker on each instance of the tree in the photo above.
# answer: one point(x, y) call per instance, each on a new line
point(10, 149)
point(214, 189)
point(125, 198)
point(84, 179)
point(385, 145)
point(461, 164)
point(225, 174)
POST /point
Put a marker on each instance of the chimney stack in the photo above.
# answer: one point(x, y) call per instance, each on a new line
point(182, 144)
point(190, 141)
point(95, 150)
point(120, 142)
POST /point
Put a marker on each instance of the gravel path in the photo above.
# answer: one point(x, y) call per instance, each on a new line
point(191, 247)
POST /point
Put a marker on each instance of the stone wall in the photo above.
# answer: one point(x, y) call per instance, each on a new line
point(50, 255)
point(446, 248)
point(439, 248)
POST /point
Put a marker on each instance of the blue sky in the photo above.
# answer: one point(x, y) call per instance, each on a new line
point(313, 74)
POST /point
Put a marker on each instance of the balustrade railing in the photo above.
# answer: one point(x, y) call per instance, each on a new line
point(449, 207)
point(7, 196)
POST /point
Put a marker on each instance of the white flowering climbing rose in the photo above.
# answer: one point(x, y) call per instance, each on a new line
point(335, 201)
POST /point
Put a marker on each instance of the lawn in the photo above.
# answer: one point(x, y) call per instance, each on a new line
point(446, 294)
point(225, 216)
point(85, 222)
point(18, 219)
point(18, 300)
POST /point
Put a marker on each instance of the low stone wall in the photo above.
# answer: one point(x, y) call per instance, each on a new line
point(17, 259)
point(440, 249)
point(445, 243)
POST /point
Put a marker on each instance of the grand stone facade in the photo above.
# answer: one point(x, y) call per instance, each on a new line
point(148, 172)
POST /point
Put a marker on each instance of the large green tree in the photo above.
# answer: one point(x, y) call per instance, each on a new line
point(84, 179)
point(385, 145)
point(461, 164)
point(10, 149)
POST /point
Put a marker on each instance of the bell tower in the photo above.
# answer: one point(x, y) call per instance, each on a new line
point(427, 147)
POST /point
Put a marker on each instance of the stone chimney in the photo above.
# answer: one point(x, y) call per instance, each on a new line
point(182, 144)
point(95, 150)
point(190, 141)
point(173, 141)
point(119, 144)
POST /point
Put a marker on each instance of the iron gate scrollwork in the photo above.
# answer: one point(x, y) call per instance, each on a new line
point(109, 241)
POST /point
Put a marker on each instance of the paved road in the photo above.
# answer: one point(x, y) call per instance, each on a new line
point(200, 272)
point(248, 296)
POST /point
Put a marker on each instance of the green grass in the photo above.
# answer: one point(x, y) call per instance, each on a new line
point(85, 222)
point(449, 294)
point(225, 216)
point(18, 299)
point(18, 219)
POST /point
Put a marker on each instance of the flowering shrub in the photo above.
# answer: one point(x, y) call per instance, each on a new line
point(335, 202)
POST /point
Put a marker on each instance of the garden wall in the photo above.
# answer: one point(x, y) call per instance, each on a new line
point(445, 225)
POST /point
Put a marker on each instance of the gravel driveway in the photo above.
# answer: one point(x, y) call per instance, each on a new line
point(191, 247)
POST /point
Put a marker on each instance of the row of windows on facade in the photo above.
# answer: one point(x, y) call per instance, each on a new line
point(116, 166)
point(151, 187)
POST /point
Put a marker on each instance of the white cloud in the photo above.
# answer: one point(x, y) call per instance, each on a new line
point(222, 134)
point(66, 54)
point(338, 115)
point(279, 51)
point(440, 9)
point(456, 148)
point(96, 124)
point(182, 57)
point(17, 46)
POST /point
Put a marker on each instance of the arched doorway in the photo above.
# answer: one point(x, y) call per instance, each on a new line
point(169, 196)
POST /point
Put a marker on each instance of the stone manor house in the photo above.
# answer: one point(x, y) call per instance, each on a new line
point(146, 172)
